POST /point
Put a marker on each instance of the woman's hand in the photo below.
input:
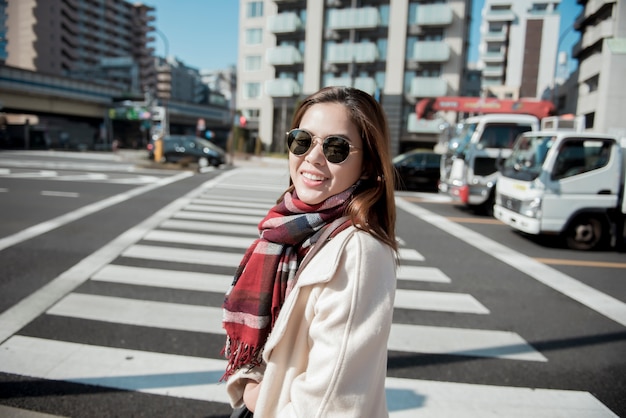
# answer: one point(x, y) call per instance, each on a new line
point(251, 394)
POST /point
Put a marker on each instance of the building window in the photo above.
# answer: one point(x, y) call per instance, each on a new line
point(592, 83)
point(254, 9)
point(253, 63)
point(252, 90)
point(251, 114)
point(254, 36)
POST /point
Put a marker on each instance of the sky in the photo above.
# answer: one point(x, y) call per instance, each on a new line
point(204, 34)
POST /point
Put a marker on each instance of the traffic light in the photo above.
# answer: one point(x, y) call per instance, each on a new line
point(242, 121)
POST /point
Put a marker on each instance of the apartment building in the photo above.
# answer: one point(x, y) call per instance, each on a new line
point(3, 31)
point(399, 51)
point(101, 41)
point(518, 47)
point(601, 54)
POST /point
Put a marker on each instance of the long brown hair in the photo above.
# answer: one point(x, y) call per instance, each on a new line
point(373, 208)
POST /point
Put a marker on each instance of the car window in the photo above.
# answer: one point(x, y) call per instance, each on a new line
point(433, 160)
point(501, 135)
point(580, 156)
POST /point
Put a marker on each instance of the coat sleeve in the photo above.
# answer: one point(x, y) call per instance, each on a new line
point(237, 383)
point(350, 319)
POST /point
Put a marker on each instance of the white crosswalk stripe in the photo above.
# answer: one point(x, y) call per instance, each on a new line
point(92, 177)
point(219, 221)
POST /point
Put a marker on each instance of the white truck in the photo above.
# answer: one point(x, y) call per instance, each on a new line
point(568, 183)
point(469, 166)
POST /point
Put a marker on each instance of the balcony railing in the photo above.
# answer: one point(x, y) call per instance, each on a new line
point(428, 87)
point(593, 34)
point(282, 87)
point(284, 23)
point(495, 36)
point(492, 57)
point(500, 16)
point(361, 18)
point(493, 71)
point(348, 52)
point(367, 84)
point(283, 55)
point(434, 15)
point(431, 51)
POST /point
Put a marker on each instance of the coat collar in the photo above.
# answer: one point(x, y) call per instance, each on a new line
point(324, 264)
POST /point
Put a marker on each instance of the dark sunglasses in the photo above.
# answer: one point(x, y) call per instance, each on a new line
point(336, 149)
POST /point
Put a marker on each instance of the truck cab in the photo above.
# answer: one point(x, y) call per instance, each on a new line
point(469, 167)
point(564, 182)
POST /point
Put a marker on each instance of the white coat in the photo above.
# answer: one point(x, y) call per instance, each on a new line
point(327, 354)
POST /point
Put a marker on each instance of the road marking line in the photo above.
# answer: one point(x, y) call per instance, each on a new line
point(413, 398)
point(172, 279)
point(205, 319)
point(182, 255)
point(64, 219)
point(485, 221)
point(210, 240)
point(426, 197)
point(198, 216)
point(235, 198)
point(142, 371)
point(228, 210)
point(438, 301)
point(602, 303)
point(233, 204)
point(219, 283)
point(421, 274)
point(254, 187)
point(407, 254)
point(84, 177)
point(59, 194)
point(461, 342)
point(250, 230)
point(35, 174)
point(197, 378)
point(581, 263)
point(145, 313)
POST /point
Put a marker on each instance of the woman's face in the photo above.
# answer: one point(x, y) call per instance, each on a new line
point(314, 178)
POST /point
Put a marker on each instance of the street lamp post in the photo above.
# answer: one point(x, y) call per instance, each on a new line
point(166, 45)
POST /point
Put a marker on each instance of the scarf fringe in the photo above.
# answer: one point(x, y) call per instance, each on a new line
point(243, 354)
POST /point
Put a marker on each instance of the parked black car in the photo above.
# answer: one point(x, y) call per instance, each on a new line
point(189, 148)
point(417, 170)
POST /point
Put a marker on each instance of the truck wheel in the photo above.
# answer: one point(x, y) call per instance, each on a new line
point(585, 233)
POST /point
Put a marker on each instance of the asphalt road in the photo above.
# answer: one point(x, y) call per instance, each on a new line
point(114, 271)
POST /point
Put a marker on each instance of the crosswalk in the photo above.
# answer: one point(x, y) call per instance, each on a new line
point(194, 249)
point(96, 174)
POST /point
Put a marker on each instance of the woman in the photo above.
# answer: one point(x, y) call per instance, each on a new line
point(326, 355)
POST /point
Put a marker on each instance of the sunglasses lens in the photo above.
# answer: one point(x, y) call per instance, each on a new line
point(299, 141)
point(336, 149)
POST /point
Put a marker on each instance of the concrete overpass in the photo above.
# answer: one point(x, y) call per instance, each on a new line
point(62, 101)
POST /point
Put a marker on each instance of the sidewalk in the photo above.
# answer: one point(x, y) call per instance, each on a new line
point(8, 411)
point(140, 158)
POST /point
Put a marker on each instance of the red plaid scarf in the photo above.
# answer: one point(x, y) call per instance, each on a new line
point(267, 272)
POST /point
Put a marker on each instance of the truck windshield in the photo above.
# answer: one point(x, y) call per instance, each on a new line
point(458, 144)
point(527, 158)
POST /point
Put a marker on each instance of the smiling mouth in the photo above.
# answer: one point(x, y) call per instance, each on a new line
point(311, 176)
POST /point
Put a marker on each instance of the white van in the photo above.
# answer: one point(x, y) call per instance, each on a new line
point(469, 168)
